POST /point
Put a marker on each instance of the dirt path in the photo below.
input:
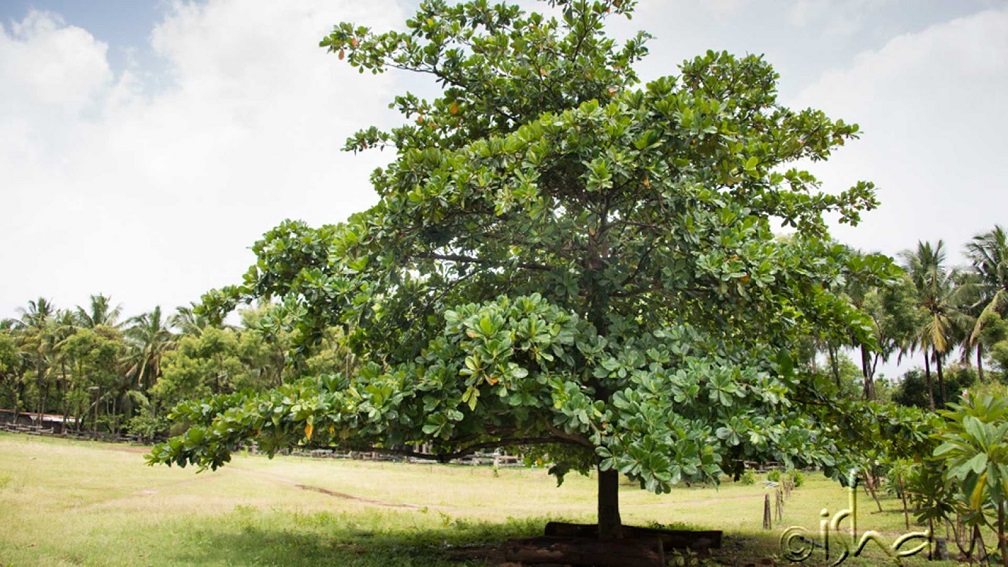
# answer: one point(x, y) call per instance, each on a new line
point(703, 501)
point(130, 448)
point(321, 490)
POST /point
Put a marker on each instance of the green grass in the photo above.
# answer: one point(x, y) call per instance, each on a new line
point(86, 503)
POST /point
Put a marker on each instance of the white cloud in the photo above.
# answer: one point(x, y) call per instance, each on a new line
point(836, 19)
point(930, 105)
point(149, 192)
point(147, 184)
point(43, 62)
point(725, 9)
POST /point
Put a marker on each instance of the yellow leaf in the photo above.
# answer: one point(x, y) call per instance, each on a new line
point(977, 497)
point(308, 430)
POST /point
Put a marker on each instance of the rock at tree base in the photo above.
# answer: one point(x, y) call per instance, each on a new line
point(697, 541)
point(584, 551)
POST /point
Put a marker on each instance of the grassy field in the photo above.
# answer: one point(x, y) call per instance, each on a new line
point(86, 503)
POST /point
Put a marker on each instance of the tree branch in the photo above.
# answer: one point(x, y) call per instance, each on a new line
point(460, 259)
point(570, 438)
point(561, 438)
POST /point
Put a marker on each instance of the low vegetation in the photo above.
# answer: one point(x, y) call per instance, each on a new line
point(71, 503)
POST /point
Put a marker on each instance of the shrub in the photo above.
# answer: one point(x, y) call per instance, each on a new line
point(773, 475)
point(912, 389)
point(797, 477)
point(974, 452)
point(748, 477)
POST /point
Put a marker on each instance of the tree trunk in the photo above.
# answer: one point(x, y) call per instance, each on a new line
point(870, 481)
point(834, 365)
point(902, 493)
point(930, 384)
point(43, 395)
point(1002, 543)
point(609, 522)
point(64, 394)
point(18, 397)
point(978, 537)
point(941, 378)
point(980, 372)
point(866, 370)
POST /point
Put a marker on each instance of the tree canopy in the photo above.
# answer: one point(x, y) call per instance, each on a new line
point(562, 259)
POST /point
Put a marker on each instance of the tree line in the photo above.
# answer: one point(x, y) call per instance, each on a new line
point(934, 311)
point(122, 375)
point(103, 373)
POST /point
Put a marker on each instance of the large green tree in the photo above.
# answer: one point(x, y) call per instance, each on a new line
point(561, 259)
point(94, 356)
point(872, 282)
point(14, 366)
point(99, 311)
point(151, 339)
point(36, 338)
point(935, 286)
point(209, 363)
point(988, 254)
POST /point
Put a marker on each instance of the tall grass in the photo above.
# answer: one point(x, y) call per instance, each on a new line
point(87, 503)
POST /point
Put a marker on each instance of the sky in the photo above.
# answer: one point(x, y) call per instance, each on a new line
point(145, 145)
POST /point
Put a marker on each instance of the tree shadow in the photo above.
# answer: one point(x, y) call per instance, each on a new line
point(454, 545)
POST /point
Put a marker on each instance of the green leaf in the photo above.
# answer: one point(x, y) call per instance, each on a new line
point(978, 463)
point(486, 325)
point(977, 429)
point(470, 397)
point(750, 165)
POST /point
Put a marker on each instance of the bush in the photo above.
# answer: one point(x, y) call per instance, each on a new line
point(773, 475)
point(912, 389)
point(748, 477)
point(148, 426)
point(797, 477)
point(993, 389)
point(974, 456)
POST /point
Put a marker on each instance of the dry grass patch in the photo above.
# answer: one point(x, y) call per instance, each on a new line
point(72, 503)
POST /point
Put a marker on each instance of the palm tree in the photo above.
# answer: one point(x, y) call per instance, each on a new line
point(35, 337)
point(14, 364)
point(151, 338)
point(37, 313)
point(895, 319)
point(934, 286)
point(64, 325)
point(988, 254)
point(99, 312)
point(188, 322)
point(868, 278)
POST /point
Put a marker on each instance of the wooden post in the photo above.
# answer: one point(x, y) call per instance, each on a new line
point(766, 512)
